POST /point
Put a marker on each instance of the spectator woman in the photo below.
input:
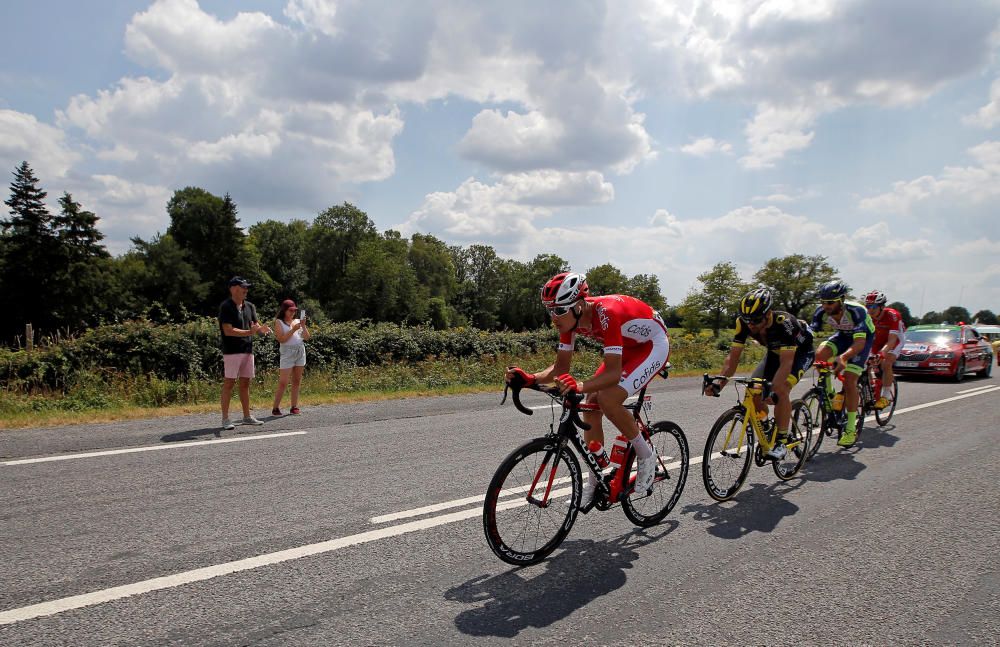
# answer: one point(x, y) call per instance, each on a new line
point(292, 335)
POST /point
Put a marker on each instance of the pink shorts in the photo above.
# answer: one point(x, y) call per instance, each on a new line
point(238, 365)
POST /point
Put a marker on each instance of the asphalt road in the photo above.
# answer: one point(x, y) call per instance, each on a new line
point(276, 538)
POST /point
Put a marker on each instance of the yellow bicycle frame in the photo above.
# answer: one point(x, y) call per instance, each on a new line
point(755, 387)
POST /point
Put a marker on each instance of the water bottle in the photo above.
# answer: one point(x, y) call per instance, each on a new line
point(838, 402)
point(600, 454)
point(618, 450)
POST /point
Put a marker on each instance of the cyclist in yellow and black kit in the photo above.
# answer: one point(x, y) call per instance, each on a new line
point(789, 344)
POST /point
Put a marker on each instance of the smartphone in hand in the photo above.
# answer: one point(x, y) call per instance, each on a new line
point(302, 316)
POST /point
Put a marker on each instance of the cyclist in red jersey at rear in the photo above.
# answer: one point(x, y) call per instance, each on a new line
point(636, 347)
point(889, 330)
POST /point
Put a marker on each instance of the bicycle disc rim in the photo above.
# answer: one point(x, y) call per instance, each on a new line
point(524, 533)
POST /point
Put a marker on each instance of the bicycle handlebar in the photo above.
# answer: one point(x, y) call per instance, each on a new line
point(571, 398)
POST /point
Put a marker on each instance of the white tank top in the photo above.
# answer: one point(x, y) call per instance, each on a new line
point(296, 338)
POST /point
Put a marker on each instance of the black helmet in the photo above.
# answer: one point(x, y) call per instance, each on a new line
point(833, 291)
point(755, 305)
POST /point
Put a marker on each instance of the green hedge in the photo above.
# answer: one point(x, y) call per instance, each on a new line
point(190, 351)
point(176, 357)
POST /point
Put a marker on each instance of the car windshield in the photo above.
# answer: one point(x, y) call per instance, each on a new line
point(939, 337)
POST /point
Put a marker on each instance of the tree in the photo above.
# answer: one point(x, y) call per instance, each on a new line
point(986, 317)
point(281, 250)
point(607, 279)
point(904, 311)
point(646, 287)
point(932, 317)
point(794, 280)
point(76, 229)
point(85, 297)
point(34, 276)
point(206, 228)
point(432, 263)
point(479, 273)
point(956, 314)
point(716, 300)
point(158, 272)
point(335, 235)
point(380, 285)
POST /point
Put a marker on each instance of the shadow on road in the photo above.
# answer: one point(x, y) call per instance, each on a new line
point(520, 598)
point(759, 508)
point(834, 463)
point(876, 436)
point(193, 434)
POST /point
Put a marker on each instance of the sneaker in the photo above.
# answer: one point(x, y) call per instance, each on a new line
point(644, 475)
point(589, 488)
point(227, 424)
point(295, 411)
point(848, 438)
point(778, 452)
point(882, 403)
point(276, 411)
point(250, 420)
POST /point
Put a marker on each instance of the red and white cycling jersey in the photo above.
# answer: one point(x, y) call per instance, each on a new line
point(889, 323)
point(630, 328)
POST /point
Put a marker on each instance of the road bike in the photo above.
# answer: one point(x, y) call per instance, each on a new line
point(739, 433)
point(870, 388)
point(534, 496)
point(823, 417)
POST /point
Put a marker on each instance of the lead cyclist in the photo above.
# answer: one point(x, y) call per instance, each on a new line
point(636, 347)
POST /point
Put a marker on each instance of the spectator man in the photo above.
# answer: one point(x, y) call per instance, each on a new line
point(238, 324)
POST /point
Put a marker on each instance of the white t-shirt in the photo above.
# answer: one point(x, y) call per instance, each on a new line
point(296, 338)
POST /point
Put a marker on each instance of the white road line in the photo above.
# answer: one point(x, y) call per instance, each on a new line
point(151, 448)
point(53, 607)
point(978, 388)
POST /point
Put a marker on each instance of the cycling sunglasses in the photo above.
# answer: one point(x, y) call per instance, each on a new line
point(754, 321)
point(830, 302)
point(873, 306)
point(558, 311)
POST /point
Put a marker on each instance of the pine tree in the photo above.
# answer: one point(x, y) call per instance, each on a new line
point(32, 259)
point(77, 231)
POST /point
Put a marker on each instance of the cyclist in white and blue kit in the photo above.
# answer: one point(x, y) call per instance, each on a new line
point(852, 342)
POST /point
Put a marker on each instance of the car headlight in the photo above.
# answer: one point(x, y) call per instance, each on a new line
point(943, 355)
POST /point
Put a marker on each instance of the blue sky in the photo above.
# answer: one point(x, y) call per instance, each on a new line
point(660, 136)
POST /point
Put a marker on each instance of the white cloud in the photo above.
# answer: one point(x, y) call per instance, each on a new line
point(970, 184)
point(23, 137)
point(989, 115)
point(504, 212)
point(706, 146)
point(776, 131)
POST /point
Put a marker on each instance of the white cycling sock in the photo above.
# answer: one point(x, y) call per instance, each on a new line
point(886, 392)
point(642, 448)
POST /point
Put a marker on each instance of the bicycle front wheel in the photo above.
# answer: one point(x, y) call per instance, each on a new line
point(671, 449)
point(883, 416)
point(531, 503)
point(726, 462)
point(817, 421)
point(797, 446)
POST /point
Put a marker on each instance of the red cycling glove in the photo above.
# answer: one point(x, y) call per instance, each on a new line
point(570, 382)
point(527, 378)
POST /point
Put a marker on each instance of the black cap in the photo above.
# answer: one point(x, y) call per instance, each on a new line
point(240, 281)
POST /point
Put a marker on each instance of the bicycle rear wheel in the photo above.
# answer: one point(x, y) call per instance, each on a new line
point(817, 420)
point(883, 416)
point(799, 435)
point(523, 522)
point(728, 451)
point(671, 449)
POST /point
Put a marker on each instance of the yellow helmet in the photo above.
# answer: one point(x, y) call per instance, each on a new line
point(755, 305)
